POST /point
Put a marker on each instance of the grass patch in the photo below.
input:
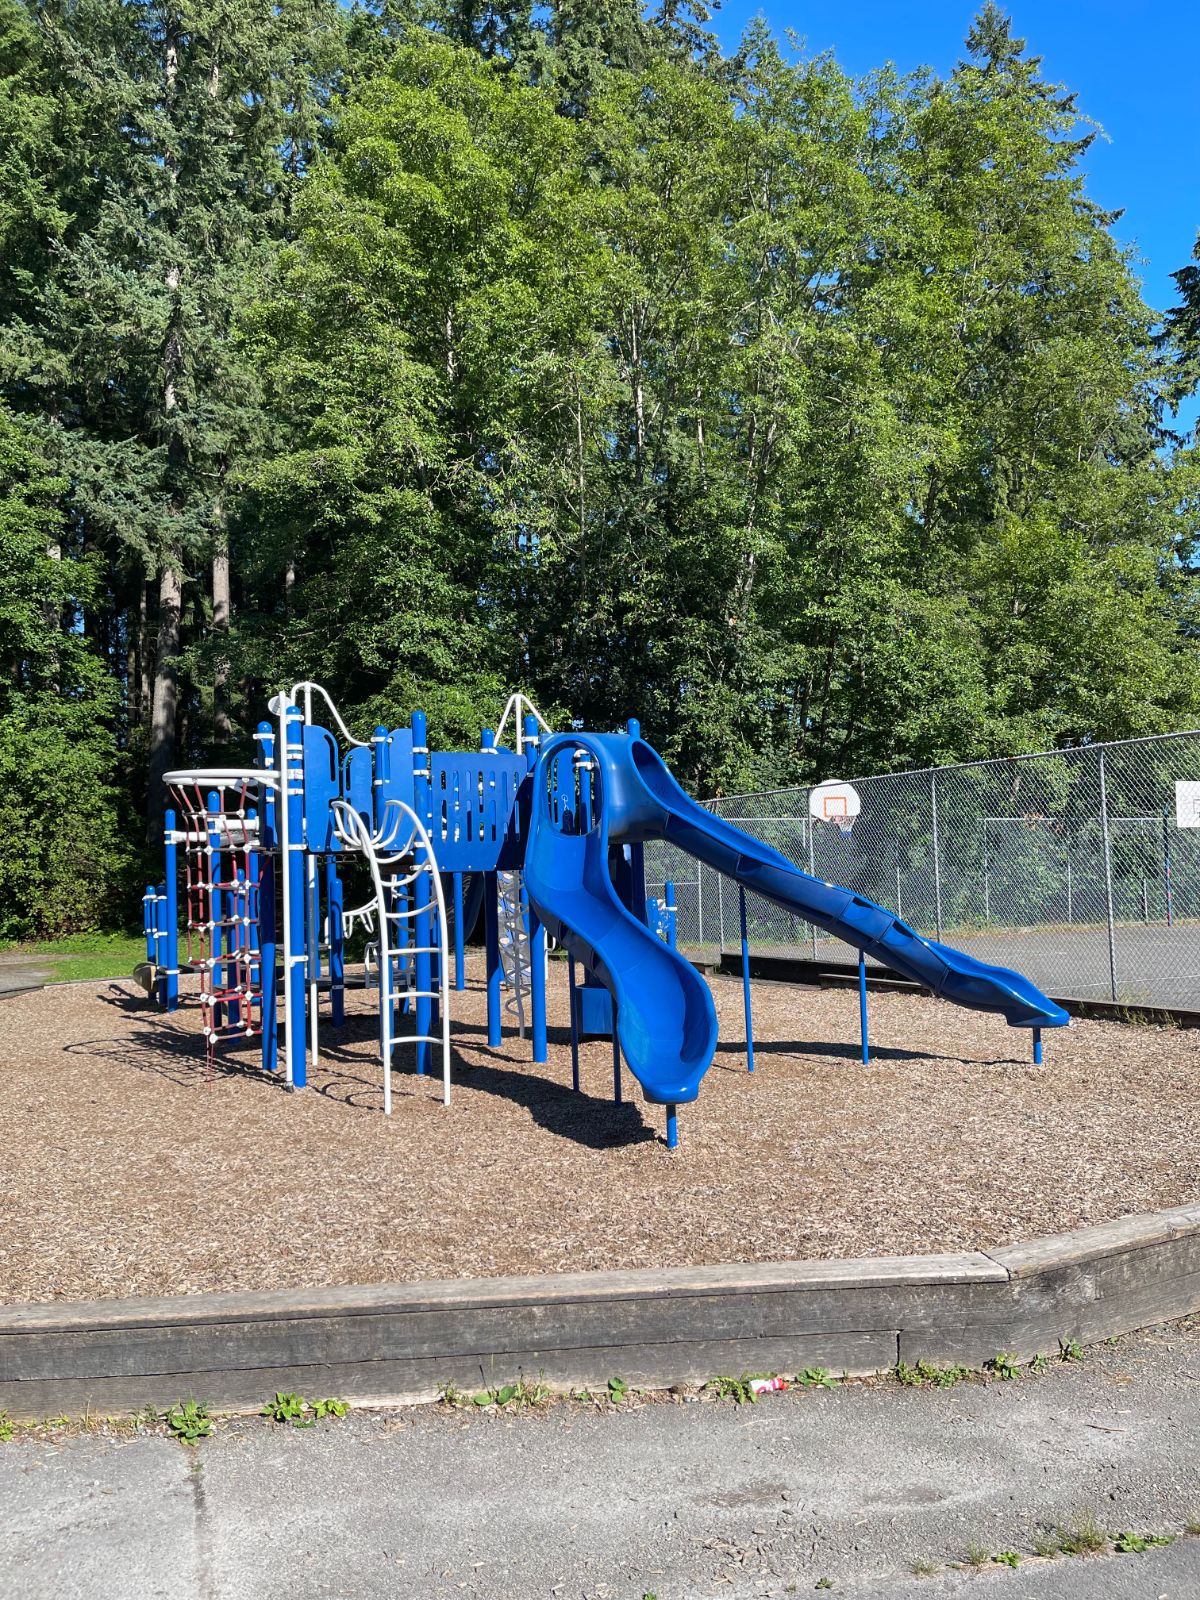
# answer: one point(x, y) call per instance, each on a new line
point(84, 955)
point(1082, 1536)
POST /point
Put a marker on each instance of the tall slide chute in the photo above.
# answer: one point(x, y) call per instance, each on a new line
point(664, 1012)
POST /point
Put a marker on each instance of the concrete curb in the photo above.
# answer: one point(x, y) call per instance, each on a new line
point(404, 1341)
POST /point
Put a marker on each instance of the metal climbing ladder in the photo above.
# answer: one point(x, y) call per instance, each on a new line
point(407, 914)
point(515, 962)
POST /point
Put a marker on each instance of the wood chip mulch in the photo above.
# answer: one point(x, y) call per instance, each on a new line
point(126, 1169)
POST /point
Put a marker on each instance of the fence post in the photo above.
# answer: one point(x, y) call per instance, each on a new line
point(812, 872)
point(937, 875)
point(1108, 887)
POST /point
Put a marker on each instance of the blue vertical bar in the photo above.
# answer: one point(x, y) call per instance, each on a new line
point(294, 950)
point(423, 920)
point(672, 1129)
point(160, 943)
point(380, 772)
point(337, 953)
point(216, 944)
point(637, 852)
point(491, 931)
point(172, 913)
point(460, 935)
point(862, 1006)
point(251, 913)
point(746, 981)
point(264, 909)
point(574, 1022)
point(616, 1059)
point(669, 897)
point(537, 933)
point(1037, 1047)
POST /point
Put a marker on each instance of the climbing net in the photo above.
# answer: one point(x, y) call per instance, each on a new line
point(220, 830)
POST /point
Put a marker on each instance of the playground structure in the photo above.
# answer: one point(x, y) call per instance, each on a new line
point(548, 838)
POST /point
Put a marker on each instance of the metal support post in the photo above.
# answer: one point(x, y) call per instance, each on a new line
point(862, 1006)
point(1108, 884)
point(746, 980)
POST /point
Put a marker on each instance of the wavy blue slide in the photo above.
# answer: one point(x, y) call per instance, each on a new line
point(665, 1016)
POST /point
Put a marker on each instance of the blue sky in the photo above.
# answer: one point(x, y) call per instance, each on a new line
point(1135, 66)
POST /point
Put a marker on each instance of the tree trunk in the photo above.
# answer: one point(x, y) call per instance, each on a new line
point(222, 731)
point(163, 707)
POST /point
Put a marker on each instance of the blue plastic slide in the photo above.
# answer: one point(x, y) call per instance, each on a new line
point(665, 1016)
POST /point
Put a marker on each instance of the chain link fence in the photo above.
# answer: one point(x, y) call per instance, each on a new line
point(1071, 866)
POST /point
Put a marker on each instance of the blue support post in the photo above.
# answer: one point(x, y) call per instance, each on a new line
point(862, 1006)
point(337, 953)
point(672, 1129)
point(263, 909)
point(1037, 1047)
point(250, 911)
point(381, 754)
point(294, 947)
point(637, 852)
point(616, 1059)
point(746, 981)
point(422, 895)
point(216, 908)
point(160, 943)
point(491, 931)
point(669, 898)
point(574, 1022)
point(171, 916)
point(537, 933)
point(460, 935)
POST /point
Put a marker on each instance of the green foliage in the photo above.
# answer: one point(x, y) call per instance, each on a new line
point(1007, 1558)
point(817, 422)
point(517, 1396)
point(814, 1378)
point(1082, 1536)
point(1004, 1366)
point(738, 1390)
point(189, 1421)
point(1070, 1350)
point(1138, 1543)
point(6, 1428)
point(929, 1372)
point(618, 1390)
point(295, 1411)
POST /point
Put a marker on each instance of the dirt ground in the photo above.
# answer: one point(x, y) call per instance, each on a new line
point(126, 1169)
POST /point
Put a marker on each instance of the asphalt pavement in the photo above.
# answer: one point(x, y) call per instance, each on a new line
point(879, 1490)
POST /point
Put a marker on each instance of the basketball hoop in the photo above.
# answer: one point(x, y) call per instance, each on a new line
point(837, 803)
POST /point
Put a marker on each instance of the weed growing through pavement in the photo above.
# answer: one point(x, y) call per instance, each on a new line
point(923, 1569)
point(295, 1411)
point(928, 1372)
point(739, 1390)
point(1082, 1536)
point(519, 1396)
point(815, 1378)
point(1007, 1558)
point(1005, 1366)
point(1138, 1543)
point(976, 1556)
point(618, 1390)
point(189, 1421)
point(1070, 1350)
